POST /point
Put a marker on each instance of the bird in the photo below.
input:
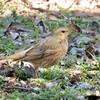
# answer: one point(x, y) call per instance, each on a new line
point(46, 53)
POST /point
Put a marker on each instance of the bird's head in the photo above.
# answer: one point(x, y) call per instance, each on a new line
point(63, 32)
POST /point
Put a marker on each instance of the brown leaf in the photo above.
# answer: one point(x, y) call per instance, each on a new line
point(76, 27)
point(12, 81)
point(2, 93)
point(74, 79)
point(89, 51)
point(55, 16)
point(52, 17)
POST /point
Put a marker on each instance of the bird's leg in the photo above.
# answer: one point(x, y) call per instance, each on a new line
point(36, 73)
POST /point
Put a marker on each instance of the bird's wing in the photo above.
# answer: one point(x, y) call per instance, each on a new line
point(46, 48)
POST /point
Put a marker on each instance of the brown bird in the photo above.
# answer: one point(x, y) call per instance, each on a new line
point(46, 53)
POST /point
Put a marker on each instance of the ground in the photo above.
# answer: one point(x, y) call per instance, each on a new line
point(25, 23)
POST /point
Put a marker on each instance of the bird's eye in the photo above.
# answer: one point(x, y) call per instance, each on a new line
point(63, 31)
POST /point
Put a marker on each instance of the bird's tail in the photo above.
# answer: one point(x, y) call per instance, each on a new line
point(15, 57)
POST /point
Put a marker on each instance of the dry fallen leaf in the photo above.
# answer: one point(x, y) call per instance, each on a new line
point(89, 51)
point(76, 27)
point(2, 93)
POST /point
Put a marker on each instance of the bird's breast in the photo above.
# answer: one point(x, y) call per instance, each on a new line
point(54, 59)
point(64, 44)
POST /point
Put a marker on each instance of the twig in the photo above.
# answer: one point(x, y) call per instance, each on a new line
point(71, 5)
point(41, 9)
point(22, 88)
